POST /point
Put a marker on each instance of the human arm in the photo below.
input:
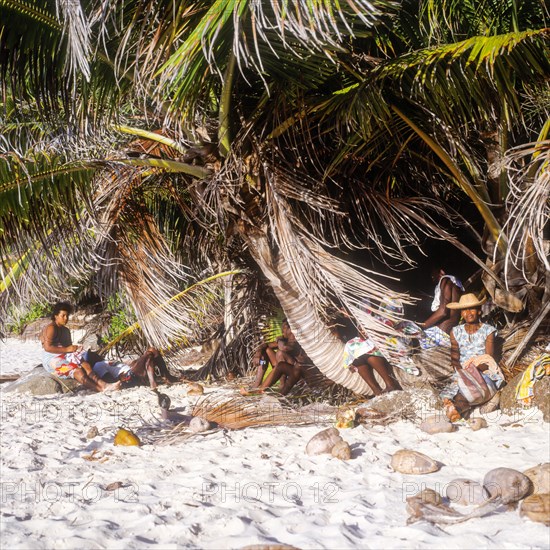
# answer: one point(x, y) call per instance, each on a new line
point(50, 344)
point(441, 313)
point(150, 368)
point(455, 352)
point(490, 345)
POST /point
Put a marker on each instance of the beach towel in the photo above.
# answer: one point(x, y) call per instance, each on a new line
point(535, 371)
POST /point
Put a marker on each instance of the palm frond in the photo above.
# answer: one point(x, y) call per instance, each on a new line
point(239, 412)
point(199, 302)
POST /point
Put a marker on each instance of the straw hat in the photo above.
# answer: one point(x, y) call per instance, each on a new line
point(466, 301)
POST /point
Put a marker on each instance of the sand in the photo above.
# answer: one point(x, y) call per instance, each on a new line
point(230, 489)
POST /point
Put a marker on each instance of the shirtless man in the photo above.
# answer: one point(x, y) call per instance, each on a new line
point(438, 325)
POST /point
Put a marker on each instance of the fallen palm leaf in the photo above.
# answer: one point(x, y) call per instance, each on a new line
point(246, 412)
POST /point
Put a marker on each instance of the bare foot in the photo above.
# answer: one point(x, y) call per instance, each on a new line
point(115, 386)
point(450, 410)
point(251, 391)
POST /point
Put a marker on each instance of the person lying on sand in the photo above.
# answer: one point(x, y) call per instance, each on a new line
point(64, 359)
point(471, 343)
point(141, 370)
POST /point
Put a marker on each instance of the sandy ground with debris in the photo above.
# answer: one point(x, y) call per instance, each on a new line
point(234, 488)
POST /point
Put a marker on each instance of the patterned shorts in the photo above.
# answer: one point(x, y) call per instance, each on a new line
point(64, 365)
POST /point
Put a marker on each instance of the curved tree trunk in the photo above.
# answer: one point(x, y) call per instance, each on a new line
point(322, 347)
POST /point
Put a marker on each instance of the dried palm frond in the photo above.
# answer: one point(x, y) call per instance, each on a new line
point(246, 412)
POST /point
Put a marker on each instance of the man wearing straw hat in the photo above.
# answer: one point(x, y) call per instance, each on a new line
point(472, 343)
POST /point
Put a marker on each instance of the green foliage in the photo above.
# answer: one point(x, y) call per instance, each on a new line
point(36, 311)
point(121, 316)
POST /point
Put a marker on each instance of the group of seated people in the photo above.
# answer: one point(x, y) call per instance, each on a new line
point(470, 342)
point(66, 360)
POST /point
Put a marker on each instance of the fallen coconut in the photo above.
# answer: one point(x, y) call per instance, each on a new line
point(506, 483)
point(126, 438)
point(426, 496)
point(436, 424)
point(406, 461)
point(540, 477)
point(536, 508)
point(341, 450)
point(92, 432)
point(323, 442)
point(477, 423)
point(466, 492)
point(199, 424)
point(194, 389)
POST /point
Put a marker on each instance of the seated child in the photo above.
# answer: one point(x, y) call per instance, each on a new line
point(284, 348)
point(471, 343)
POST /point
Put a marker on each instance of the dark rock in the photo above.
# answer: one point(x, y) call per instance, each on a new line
point(39, 382)
point(408, 404)
point(541, 392)
point(508, 402)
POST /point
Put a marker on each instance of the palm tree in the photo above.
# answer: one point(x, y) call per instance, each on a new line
point(275, 136)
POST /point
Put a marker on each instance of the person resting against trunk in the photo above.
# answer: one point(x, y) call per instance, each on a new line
point(285, 348)
point(64, 359)
point(141, 370)
point(472, 343)
point(361, 355)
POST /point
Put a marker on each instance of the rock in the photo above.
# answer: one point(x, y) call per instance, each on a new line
point(406, 461)
point(507, 483)
point(508, 402)
point(466, 492)
point(199, 424)
point(436, 424)
point(540, 477)
point(92, 432)
point(341, 450)
point(492, 405)
point(477, 423)
point(409, 404)
point(323, 442)
point(541, 396)
point(194, 389)
point(426, 496)
point(274, 546)
point(536, 508)
point(365, 415)
point(39, 381)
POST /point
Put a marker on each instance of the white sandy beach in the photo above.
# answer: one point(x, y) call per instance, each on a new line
point(231, 489)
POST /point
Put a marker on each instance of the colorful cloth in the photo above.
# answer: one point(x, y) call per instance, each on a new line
point(433, 337)
point(65, 364)
point(471, 345)
point(356, 347)
point(539, 368)
point(437, 292)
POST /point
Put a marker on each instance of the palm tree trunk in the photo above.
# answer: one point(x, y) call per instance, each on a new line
point(321, 346)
